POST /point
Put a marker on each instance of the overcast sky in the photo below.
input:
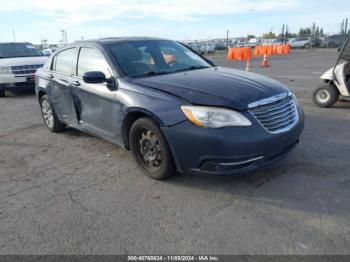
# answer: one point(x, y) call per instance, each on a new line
point(33, 20)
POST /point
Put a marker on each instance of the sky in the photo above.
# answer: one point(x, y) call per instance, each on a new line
point(35, 20)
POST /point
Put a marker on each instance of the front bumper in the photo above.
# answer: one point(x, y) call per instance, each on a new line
point(17, 83)
point(230, 150)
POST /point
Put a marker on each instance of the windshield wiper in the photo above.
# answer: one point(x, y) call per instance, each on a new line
point(154, 73)
point(195, 67)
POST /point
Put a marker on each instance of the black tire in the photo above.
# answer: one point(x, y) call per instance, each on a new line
point(2, 90)
point(150, 149)
point(49, 116)
point(325, 95)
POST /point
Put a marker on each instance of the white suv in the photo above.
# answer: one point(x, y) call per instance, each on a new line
point(18, 64)
point(302, 42)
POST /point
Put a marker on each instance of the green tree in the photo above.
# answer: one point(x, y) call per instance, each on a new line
point(269, 35)
point(321, 32)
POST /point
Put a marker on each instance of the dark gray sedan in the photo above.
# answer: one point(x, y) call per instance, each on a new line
point(174, 109)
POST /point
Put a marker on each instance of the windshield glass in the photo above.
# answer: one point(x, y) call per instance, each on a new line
point(154, 57)
point(9, 50)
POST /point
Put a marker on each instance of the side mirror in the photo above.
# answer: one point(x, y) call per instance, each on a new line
point(94, 77)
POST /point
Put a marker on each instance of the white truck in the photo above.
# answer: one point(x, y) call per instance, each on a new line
point(18, 64)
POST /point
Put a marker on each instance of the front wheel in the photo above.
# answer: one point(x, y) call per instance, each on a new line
point(2, 90)
point(49, 116)
point(150, 149)
point(325, 95)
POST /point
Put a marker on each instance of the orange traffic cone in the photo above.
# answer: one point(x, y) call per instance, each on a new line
point(265, 62)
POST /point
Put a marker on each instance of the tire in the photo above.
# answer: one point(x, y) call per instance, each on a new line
point(49, 116)
point(307, 46)
point(2, 90)
point(325, 95)
point(150, 149)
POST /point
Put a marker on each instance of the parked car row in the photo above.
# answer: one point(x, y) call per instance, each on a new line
point(298, 42)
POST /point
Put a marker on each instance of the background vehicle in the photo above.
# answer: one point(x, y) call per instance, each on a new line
point(336, 81)
point(302, 42)
point(143, 94)
point(240, 43)
point(18, 64)
point(207, 48)
point(193, 45)
point(253, 42)
point(268, 41)
point(220, 46)
point(334, 41)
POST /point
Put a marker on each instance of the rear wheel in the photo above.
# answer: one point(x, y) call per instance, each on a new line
point(50, 118)
point(325, 95)
point(150, 149)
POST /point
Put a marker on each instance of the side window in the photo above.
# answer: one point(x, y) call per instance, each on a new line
point(63, 62)
point(91, 59)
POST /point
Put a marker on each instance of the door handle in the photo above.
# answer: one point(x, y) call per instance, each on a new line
point(51, 76)
point(75, 83)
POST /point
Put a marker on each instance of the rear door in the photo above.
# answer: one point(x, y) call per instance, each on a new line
point(60, 85)
point(97, 105)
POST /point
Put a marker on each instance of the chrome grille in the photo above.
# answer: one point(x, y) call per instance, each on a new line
point(278, 116)
point(25, 69)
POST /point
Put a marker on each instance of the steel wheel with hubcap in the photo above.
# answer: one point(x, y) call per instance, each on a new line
point(50, 119)
point(325, 95)
point(150, 149)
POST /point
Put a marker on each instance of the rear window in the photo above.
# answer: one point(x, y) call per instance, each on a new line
point(10, 50)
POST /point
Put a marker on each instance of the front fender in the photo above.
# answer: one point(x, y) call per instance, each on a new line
point(163, 107)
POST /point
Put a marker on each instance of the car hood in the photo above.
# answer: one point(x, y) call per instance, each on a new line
point(216, 87)
point(20, 61)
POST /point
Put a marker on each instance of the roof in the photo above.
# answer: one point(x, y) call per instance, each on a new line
point(15, 43)
point(118, 39)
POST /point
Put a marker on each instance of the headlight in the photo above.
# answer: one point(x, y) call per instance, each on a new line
point(5, 70)
point(214, 117)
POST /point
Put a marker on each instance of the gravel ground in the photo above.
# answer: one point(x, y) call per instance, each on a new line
point(70, 193)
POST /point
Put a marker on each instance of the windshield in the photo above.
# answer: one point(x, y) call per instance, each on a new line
point(10, 50)
point(155, 57)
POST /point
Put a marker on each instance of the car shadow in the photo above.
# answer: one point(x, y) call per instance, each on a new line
point(22, 93)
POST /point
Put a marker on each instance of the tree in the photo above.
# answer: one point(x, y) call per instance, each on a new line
point(305, 31)
point(321, 32)
point(250, 36)
point(317, 33)
point(269, 35)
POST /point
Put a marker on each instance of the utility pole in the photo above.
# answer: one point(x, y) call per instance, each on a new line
point(64, 37)
point(227, 47)
point(14, 34)
point(282, 33)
